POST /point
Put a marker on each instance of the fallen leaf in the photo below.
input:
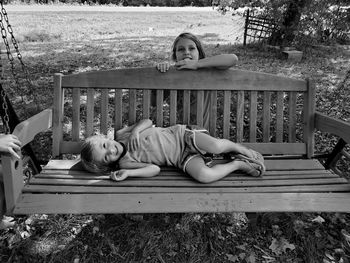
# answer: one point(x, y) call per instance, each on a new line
point(232, 258)
point(318, 219)
point(280, 246)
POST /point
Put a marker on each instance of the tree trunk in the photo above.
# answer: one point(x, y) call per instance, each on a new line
point(289, 27)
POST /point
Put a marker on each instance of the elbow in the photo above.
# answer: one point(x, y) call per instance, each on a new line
point(155, 170)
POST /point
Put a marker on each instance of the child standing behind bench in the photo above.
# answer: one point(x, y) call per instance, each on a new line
point(188, 53)
point(141, 148)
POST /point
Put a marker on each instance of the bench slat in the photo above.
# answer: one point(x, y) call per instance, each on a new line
point(173, 107)
point(146, 103)
point(76, 114)
point(279, 116)
point(172, 175)
point(90, 112)
point(281, 165)
point(266, 116)
point(262, 189)
point(253, 116)
point(160, 99)
point(292, 117)
point(132, 106)
point(186, 105)
point(118, 109)
point(190, 183)
point(104, 111)
point(188, 202)
point(240, 116)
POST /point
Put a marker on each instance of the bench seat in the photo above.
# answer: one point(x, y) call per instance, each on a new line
point(288, 185)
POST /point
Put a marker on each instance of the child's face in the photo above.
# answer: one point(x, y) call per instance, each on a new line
point(106, 150)
point(186, 49)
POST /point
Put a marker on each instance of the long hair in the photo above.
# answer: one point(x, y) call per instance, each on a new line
point(92, 165)
point(190, 37)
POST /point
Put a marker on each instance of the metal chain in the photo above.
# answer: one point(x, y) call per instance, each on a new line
point(5, 108)
point(15, 44)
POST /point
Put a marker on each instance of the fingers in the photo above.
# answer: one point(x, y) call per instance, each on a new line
point(118, 175)
point(163, 67)
point(13, 153)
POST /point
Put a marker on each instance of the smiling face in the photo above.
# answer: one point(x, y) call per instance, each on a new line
point(186, 49)
point(187, 40)
point(105, 151)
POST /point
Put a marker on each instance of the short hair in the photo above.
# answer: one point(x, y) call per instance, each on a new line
point(92, 165)
point(190, 37)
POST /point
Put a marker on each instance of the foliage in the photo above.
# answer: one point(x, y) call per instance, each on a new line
point(124, 2)
point(319, 20)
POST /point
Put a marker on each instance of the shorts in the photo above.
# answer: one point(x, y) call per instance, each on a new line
point(191, 150)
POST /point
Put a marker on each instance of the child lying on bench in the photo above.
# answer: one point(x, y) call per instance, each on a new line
point(140, 149)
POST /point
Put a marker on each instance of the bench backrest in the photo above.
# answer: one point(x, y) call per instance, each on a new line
point(270, 113)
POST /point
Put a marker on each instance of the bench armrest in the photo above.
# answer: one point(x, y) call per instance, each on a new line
point(12, 168)
point(26, 130)
point(333, 125)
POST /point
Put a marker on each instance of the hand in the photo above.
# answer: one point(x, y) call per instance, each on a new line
point(119, 175)
point(163, 67)
point(10, 144)
point(187, 64)
point(134, 140)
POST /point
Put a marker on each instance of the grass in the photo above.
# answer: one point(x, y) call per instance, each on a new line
point(75, 41)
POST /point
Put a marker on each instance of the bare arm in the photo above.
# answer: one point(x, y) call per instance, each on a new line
point(134, 169)
point(223, 61)
point(132, 132)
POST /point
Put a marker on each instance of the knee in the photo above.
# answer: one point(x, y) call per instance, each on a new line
point(204, 175)
point(218, 146)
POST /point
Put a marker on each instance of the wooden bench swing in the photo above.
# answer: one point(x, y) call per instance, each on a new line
point(272, 114)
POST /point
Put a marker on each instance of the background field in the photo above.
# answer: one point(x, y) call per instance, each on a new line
point(71, 39)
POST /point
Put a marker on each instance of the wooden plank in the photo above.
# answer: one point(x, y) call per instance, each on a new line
point(118, 110)
point(257, 182)
point(264, 148)
point(333, 125)
point(132, 106)
point(200, 108)
point(90, 113)
point(213, 112)
point(183, 203)
point(103, 190)
point(279, 116)
point(75, 114)
point(227, 113)
point(13, 180)
point(266, 116)
point(160, 101)
point(203, 79)
point(173, 106)
point(309, 118)
point(186, 105)
point(26, 130)
point(167, 174)
point(292, 116)
point(57, 115)
point(281, 165)
point(104, 111)
point(253, 116)
point(146, 104)
point(240, 116)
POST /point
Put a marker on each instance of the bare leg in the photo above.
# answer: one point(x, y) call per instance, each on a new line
point(204, 174)
point(213, 145)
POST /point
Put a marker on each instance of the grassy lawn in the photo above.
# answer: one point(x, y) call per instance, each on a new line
point(69, 40)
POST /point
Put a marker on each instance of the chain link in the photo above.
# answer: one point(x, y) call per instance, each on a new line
point(4, 17)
